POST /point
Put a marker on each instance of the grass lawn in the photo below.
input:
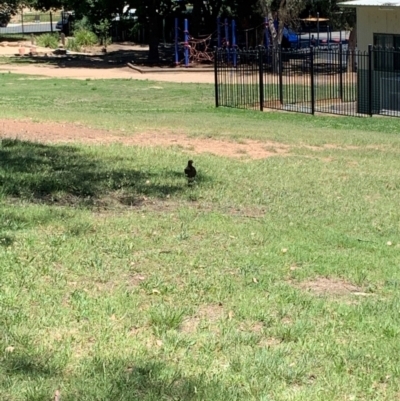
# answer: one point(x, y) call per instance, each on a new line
point(273, 279)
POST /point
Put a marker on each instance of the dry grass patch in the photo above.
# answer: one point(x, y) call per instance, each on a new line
point(211, 314)
point(269, 342)
point(52, 132)
point(324, 286)
point(253, 327)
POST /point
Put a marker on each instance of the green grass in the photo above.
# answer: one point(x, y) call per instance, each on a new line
point(120, 282)
point(137, 106)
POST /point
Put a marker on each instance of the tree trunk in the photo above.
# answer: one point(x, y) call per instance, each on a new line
point(352, 59)
point(196, 17)
point(153, 34)
point(275, 44)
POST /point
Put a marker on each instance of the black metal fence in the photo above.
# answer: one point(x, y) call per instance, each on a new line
point(30, 23)
point(331, 80)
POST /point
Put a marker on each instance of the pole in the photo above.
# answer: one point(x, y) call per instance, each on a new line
point(219, 32)
point(299, 38)
point(327, 35)
point(234, 42)
point(226, 33)
point(22, 22)
point(186, 43)
point(51, 22)
point(163, 31)
point(312, 80)
point(318, 29)
point(341, 71)
point(216, 77)
point(228, 59)
point(370, 80)
point(261, 78)
point(176, 42)
point(280, 67)
point(266, 42)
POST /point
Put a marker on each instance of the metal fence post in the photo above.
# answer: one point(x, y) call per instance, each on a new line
point(261, 72)
point(280, 67)
point(370, 80)
point(22, 23)
point(312, 80)
point(341, 71)
point(216, 77)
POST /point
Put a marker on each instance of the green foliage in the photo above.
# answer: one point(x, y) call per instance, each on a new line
point(50, 40)
point(103, 29)
point(82, 24)
point(83, 37)
point(7, 10)
point(73, 45)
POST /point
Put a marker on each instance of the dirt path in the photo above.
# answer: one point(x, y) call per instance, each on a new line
point(49, 132)
point(111, 73)
point(68, 133)
point(99, 68)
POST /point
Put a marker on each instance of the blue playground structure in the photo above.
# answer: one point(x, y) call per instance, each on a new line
point(189, 49)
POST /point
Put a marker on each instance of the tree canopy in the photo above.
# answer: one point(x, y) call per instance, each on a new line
point(203, 13)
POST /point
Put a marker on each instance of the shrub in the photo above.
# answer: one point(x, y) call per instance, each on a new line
point(72, 45)
point(82, 25)
point(5, 14)
point(103, 30)
point(48, 40)
point(84, 37)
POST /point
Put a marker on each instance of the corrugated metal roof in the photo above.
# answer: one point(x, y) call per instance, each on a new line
point(370, 3)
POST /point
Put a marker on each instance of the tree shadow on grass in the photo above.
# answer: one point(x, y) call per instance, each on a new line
point(113, 59)
point(70, 176)
point(145, 379)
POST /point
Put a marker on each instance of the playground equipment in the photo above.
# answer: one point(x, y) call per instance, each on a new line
point(191, 50)
point(197, 50)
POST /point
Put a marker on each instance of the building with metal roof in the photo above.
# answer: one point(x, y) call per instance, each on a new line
point(369, 3)
point(378, 22)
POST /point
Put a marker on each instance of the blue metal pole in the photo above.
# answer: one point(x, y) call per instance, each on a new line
point(176, 42)
point(226, 33)
point(234, 42)
point(219, 32)
point(266, 41)
point(186, 43)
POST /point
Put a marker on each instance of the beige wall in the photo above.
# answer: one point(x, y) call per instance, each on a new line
point(372, 20)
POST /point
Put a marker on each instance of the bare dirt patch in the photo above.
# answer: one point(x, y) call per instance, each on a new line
point(60, 71)
point(51, 132)
point(209, 313)
point(252, 327)
point(269, 342)
point(324, 286)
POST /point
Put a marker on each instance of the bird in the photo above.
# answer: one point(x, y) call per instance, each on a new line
point(190, 172)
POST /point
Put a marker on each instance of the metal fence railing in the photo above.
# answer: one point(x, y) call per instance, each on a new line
point(25, 24)
point(331, 80)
